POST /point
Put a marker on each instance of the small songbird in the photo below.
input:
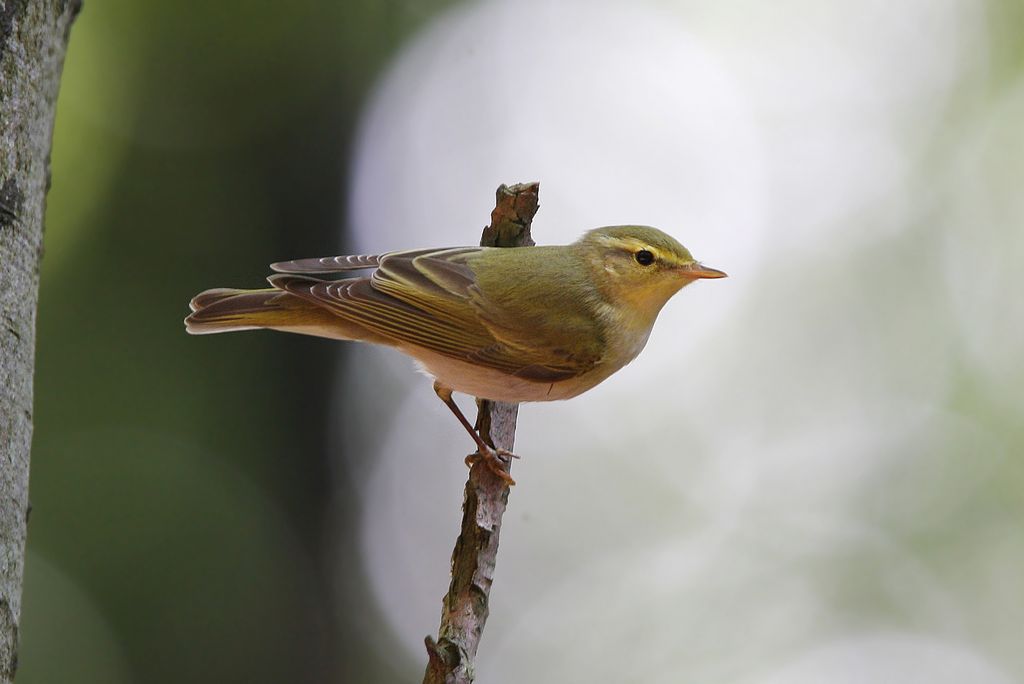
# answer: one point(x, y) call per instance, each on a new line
point(508, 324)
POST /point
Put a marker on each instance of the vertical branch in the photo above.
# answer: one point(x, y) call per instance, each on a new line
point(465, 607)
point(33, 38)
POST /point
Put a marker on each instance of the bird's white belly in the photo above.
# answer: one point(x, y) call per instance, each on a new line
point(488, 383)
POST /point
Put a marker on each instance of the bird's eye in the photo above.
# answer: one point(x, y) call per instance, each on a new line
point(644, 257)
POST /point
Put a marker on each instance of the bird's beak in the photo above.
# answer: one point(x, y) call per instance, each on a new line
point(699, 270)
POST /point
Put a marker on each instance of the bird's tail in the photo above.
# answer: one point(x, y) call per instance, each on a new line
point(226, 310)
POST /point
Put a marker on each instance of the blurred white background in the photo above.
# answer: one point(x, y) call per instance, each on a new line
point(812, 474)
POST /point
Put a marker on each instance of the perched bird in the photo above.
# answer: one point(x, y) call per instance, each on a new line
point(509, 324)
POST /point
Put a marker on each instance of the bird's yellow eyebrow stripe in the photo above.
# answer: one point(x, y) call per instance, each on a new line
point(632, 246)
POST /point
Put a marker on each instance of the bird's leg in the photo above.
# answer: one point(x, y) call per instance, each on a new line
point(495, 458)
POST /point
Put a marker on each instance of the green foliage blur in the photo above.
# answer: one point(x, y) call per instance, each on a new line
point(195, 142)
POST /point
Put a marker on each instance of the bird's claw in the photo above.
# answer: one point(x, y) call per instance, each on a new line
point(496, 461)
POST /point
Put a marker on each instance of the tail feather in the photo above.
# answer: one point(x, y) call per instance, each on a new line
point(226, 310)
point(208, 297)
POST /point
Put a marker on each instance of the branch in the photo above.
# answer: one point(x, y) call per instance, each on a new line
point(465, 607)
point(33, 39)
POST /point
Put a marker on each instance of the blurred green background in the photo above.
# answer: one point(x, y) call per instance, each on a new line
point(179, 489)
point(843, 496)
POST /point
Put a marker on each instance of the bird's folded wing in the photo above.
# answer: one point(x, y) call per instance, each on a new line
point(334, 264)
point(428, 298)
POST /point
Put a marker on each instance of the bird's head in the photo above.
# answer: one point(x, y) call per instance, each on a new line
point(640, 266)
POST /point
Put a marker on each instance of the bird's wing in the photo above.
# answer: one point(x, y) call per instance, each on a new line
point(335, 264)
point(429, 298)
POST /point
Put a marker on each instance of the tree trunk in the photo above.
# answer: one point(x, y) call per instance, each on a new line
point(33, 40)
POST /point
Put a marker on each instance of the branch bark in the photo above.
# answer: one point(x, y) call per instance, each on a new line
point(465, 607)
point(33, 40)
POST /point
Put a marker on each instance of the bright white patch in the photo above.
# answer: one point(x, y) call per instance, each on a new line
point(804, 463)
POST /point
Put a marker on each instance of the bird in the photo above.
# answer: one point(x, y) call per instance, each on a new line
point(514, 324)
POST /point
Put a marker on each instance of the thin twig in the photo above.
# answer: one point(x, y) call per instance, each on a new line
point(465, 607)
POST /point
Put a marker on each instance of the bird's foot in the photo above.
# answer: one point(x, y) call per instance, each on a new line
point(496, 460)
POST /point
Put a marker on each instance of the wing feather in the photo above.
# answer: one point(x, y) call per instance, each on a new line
point(335, 264)
point(430, 299)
